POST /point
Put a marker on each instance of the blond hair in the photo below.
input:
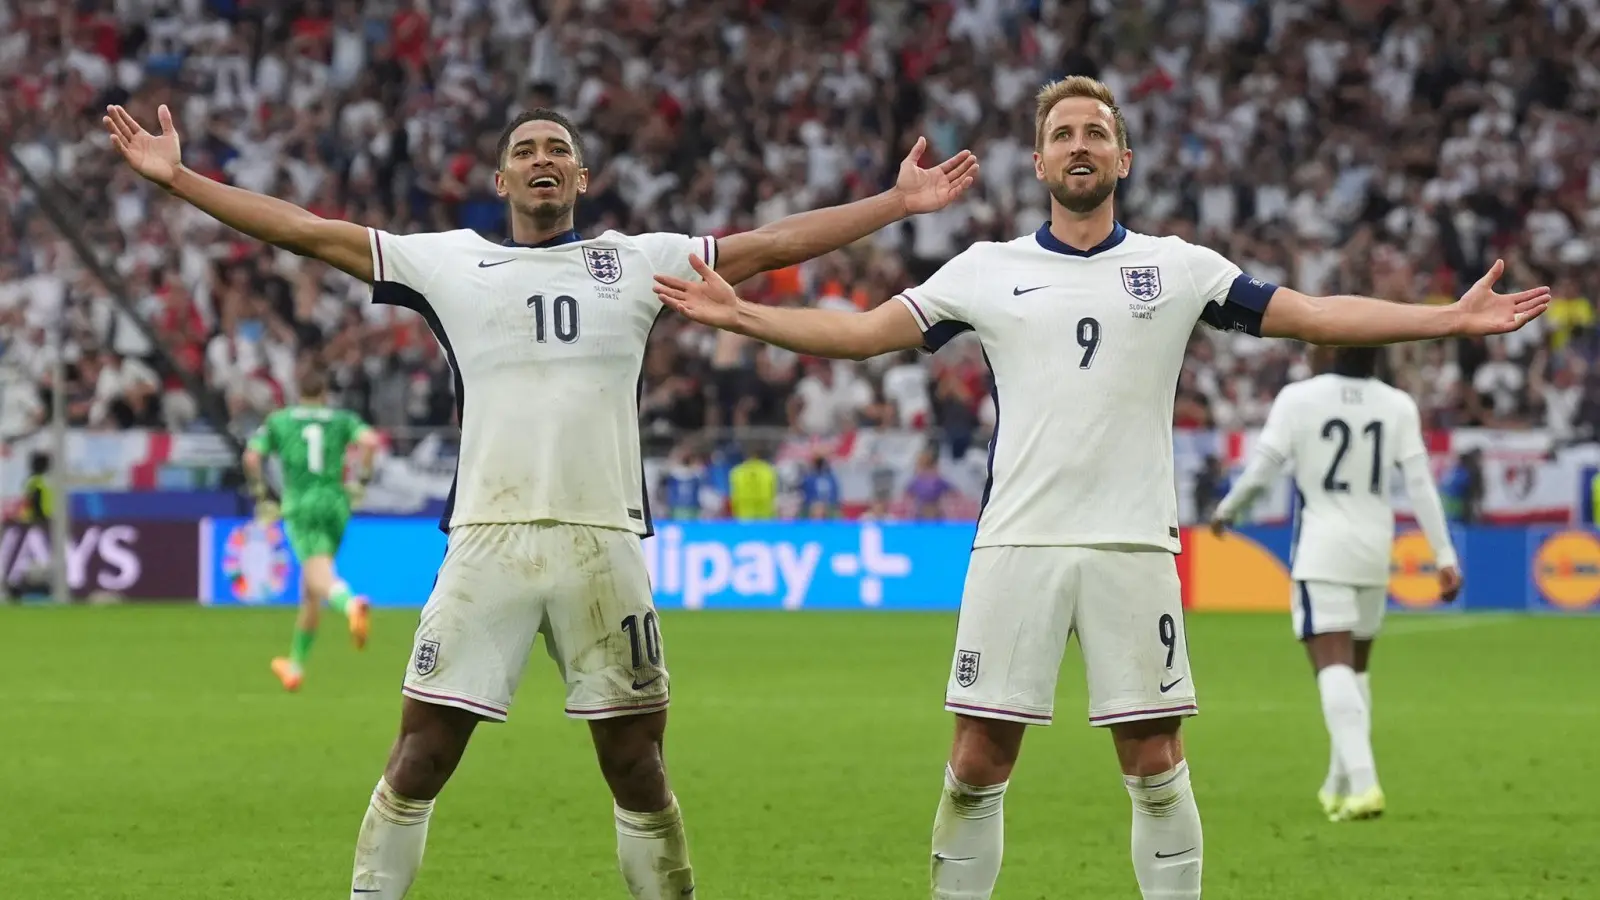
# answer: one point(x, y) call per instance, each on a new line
point(1076, 86)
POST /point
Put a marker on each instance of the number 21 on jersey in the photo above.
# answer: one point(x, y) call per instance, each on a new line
point(1339, 430)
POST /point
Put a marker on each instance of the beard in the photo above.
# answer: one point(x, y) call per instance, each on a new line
point(546, 213)
point(1085, 201)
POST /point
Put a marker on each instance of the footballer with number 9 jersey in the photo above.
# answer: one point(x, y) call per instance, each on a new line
point(546, 336)
point(1084, 324)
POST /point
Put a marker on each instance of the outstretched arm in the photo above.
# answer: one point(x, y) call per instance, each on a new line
point(344, 245)
point(829, 333)
point(1274, 451)
point(1262, 470)
point(1364, 321)
point(808, 235)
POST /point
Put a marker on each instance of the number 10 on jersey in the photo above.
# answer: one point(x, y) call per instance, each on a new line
point(559, 315)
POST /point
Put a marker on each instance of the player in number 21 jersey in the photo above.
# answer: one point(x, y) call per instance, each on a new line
point(310, 440)
point(546, 335)
point(1084, 324)
point(1341, 435)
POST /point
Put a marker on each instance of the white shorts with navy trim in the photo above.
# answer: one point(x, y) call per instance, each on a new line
point(1020, 607)
point(1326, 607)
point(585, 589)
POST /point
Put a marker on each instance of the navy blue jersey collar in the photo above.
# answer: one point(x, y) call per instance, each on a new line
point(566, 237)
point(1056, 245)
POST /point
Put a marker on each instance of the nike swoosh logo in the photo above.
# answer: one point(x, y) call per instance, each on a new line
point(641, 685)
point(489, 265)
point(942, 858)
point(1168, 687)
point(1018, 292)
point(1160, 855)
point(365, 890)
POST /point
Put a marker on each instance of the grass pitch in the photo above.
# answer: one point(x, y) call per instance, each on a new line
point(150, 754)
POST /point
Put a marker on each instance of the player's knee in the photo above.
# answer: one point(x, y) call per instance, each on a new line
point(420, 766)
point(431, 743)
point(629, 752)
point(985, 750)
point(1160, 794)
point(1148, 747)
point(1332, 649)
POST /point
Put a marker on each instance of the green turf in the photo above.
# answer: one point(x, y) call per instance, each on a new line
point(150, 754)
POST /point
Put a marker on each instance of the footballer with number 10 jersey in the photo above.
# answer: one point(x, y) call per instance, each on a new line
point(551, 337)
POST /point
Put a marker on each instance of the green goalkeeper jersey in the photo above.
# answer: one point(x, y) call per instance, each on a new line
point(310, 443)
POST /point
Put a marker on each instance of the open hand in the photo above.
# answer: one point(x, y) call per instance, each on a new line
point(710, 301)
point(1484, 311)
point(1449, 583)
point(155, 156)
point(929, 190)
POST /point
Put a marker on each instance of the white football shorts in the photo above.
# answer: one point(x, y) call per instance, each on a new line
point(1022, 604)
point(585, 589)
point(1325, 607)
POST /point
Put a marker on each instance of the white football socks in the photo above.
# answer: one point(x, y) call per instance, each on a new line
point(653, 854)
point(389, 846)
point(1336, 782)
point(968, 840)
point(1349, 726)
point(1167, 842)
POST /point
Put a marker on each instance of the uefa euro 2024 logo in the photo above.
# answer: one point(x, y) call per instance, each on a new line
point(255, 560)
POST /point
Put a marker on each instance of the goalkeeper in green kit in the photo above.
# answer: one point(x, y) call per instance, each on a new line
point(311, 440)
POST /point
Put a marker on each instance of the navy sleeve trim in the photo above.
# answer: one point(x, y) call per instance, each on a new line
point(1243, 308)
point(940, 333)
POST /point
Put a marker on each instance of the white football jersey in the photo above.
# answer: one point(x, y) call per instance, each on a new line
point(547, 345)
point(1085, 349)
point(1341, 439)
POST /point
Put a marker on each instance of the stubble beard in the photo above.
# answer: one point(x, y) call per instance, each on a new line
point(546, 214)
point(1083, 202)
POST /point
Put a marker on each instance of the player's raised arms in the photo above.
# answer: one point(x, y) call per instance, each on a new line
point(830, 333)
point(1361, 321)
point(808, 235)
point(157, 157)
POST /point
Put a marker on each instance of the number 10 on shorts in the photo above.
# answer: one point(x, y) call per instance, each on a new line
point(645, 637)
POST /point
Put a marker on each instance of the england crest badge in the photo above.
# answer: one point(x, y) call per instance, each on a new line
point(427, 657)
point(603, 263)
point(1143, 283)
point(966, 667)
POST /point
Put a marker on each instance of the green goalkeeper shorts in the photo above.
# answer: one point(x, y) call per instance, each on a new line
point(316, 528)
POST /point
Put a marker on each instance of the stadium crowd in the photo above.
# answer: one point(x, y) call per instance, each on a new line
point(1363, 146)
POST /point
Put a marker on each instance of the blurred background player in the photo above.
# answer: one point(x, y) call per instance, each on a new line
point(1080, 525)
point(819, 489)
point(683, 483)
point(753, 486)
point(38, 504)
point(311, 441)
point(1340, 435)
